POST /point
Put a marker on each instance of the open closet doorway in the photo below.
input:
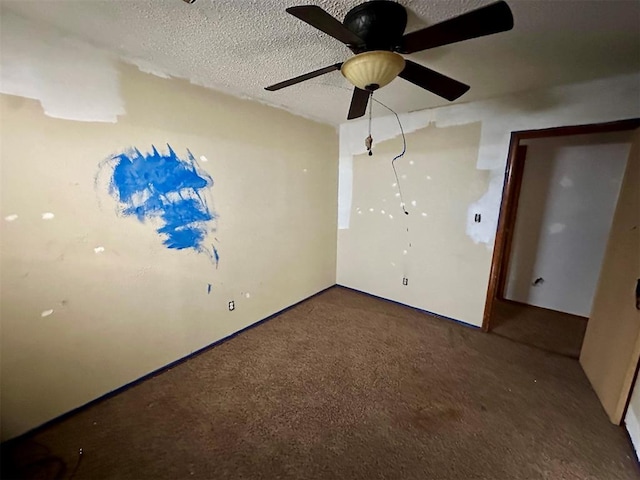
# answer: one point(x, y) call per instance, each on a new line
point(567, 254)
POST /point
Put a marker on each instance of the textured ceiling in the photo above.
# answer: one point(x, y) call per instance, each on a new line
point(241, 46)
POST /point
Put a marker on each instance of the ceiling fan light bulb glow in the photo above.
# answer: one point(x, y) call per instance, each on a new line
point(372, 70)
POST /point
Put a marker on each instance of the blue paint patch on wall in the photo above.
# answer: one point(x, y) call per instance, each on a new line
point(168, 189)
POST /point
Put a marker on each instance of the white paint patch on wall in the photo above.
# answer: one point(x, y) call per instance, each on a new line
point(48, 216)
point(146, 67)
point(591, 102)
point(11, 218)
point(556, 228)
point(46, 313)
point(566, 182)
point(71, 79)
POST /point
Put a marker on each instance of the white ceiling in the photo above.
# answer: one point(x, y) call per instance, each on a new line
point(241, 46)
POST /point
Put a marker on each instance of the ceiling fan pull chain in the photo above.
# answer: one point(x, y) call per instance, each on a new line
point(369, 140)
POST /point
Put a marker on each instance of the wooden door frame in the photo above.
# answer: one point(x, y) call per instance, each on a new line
point(510, 192)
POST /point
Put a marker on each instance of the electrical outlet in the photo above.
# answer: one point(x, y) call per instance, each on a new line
point(232, 305)
point(405, 281)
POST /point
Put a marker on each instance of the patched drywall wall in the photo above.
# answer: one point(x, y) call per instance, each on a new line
point(594, 102)
point(568, 197)
point(112, 267)
point(428, 247)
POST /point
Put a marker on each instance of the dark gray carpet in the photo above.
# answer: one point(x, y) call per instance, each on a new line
point(345, 386)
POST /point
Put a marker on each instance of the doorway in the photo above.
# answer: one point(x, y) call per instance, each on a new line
point(565, 189)
point(611, 349)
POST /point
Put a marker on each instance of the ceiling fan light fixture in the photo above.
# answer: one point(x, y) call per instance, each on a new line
point(372, 70)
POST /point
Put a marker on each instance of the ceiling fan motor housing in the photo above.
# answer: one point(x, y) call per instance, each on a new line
point(380, 23)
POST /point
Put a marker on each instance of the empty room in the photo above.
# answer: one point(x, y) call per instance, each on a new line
point(285, 239)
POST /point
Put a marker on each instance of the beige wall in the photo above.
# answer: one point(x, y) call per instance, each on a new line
point(137, 305)
point(439, 180)
point(448, 267)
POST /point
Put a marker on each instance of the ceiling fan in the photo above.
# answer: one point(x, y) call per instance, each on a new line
point(374, 32)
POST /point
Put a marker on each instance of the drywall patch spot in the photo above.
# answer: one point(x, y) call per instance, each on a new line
point(428, 177)
point(247, 295)
point(556, 228)
point(424, 214)
point(391, 216)
point(48, 216)
point(404, 252)
point(11, 218)
point(414, 203)
point(98, 249)
point(203, 158)
point(46, 313)
point(411, 162)
point(566, 182)
point(304, 170)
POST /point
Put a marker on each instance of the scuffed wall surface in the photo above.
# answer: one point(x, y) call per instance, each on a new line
point(92, 299)
point(594, 102)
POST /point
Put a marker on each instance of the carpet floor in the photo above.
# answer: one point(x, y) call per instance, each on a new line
point(557, 332)
point(344, 386)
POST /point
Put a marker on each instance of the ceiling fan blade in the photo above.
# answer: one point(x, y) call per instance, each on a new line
point(487, 20)
point(302, 78)
point(318, 18)
point(433, 81)
point(359, 102)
